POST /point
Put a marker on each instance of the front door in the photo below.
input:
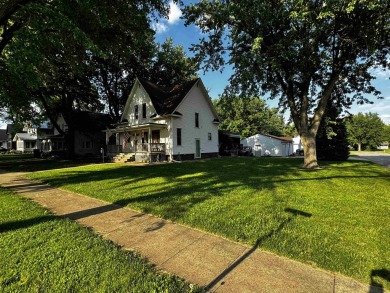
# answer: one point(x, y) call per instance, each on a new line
point(197, 148)
point(155, 136)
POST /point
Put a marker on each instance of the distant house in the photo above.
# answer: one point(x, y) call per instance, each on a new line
point(297, 144)
point(29, 140)
point(10, 135)
point(3, 138)
point(25, 142)
point(269, 145)
point(384, 146)
point(179, 123)
point(88, 136)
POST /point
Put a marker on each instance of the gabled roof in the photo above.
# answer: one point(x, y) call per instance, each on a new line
point(25, 136)
point(165, 101)
point(91, 121)
point(10, 128)
point(282, 138)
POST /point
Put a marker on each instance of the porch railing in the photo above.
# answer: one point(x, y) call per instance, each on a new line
point(157, 147)
point(151, 147)
point(142, 147)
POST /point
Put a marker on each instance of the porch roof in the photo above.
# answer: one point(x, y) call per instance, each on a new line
point(126, 127)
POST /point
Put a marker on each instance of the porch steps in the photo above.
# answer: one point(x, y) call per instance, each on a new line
point(123, 158)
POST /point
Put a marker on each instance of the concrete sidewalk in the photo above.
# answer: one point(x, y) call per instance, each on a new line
point(219, 264)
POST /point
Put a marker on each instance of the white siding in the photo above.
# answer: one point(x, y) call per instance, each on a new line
point(297, 143)
point(262, 144)
point(195, 102)
point(61, 123)
point(139, 98)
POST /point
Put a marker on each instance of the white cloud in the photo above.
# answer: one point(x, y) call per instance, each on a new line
point(379, 72)
point(174, 13)
point(385, 118)
point(159, 27)
point(174, 16)
point(381, 107)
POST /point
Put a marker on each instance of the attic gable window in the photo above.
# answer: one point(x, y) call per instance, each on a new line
point(136, 112)
point(144, 110)
point(197, 120)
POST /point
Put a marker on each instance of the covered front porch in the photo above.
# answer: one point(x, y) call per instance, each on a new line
point(141, 143)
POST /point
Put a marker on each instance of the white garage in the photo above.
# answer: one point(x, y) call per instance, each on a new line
point(269, 145)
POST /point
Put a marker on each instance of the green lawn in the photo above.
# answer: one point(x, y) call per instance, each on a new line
point(336, 218)
point(27, 163)
point(43, 253)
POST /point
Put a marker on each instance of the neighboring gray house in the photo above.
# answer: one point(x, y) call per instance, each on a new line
point(88, 136)
point(166, 124)
point(269, 145)
point(3, 138)
point(10, 135)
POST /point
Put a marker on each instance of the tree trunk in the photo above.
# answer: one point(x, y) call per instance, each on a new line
point(310, 151)
point(359, 147)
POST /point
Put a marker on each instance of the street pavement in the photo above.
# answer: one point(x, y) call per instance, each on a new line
point(380, 158)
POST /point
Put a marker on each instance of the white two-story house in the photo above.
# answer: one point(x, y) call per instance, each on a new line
point(166, 124)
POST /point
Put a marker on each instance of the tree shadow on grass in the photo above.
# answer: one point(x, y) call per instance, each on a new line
point(182, 186)
point(21, 224)
point(259, 241)
point(376, 277)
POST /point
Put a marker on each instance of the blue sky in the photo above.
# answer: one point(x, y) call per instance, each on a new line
point(216, 81)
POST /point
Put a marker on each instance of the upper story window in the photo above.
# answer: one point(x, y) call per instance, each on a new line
point(136, 112)
point(144, 110)
point(209, 136)
point(197, 120)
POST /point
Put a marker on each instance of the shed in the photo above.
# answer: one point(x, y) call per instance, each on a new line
point(269, 145)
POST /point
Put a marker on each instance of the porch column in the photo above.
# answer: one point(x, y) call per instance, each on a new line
point(150, 140)
point(149, 146)
point(108, 134)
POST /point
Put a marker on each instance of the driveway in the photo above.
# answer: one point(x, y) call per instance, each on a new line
point(379, 158)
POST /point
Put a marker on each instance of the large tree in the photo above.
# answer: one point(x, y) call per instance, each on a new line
point(48, 61)
point(365, 130)
point(165, 64)
point(249, 116)
point(332, 142)
point(303, 52)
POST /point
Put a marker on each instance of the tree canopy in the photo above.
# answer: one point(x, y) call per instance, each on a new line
point(304, 53)
point(332, 141)
point(63, 56)
point(82, 55)
point(249, 116)
point(365, 130)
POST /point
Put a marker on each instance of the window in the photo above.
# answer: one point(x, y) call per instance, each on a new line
point(87, 144)
point(178, 136)
point(29, 144)
point(144, 110)
point(209, 135)
point(197, 120)
point(136, 112)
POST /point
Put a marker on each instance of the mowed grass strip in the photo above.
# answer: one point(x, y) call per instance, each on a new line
point(27, 163)
point(336, 218)
point(43, 253)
